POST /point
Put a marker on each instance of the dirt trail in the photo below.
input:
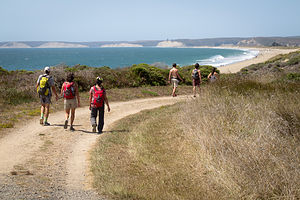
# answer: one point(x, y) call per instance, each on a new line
point(52, 163)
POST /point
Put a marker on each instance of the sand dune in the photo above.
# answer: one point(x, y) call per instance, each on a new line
point(264, 55)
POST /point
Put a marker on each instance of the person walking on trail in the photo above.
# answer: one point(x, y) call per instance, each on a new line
point(69, 91)
point(174, 78)
point(213, 76)
point(97, 100)
point(44, 85)
point(196, 75)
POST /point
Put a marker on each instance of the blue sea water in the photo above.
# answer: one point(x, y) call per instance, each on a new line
point(36, 58)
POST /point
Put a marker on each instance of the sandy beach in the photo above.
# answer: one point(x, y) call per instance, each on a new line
point(264, 55)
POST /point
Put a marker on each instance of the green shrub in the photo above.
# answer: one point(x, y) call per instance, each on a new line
point(293, 76)
point(6, 125)
point(145, 74)
point(294, 60)
point(3, 71)
point(14, 97)
point(76, 68)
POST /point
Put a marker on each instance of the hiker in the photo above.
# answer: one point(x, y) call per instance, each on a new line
point(174, 78)
point(44, 85)
point(69, 91)
point(196, 75)
point(97, 100)
point(213, 76)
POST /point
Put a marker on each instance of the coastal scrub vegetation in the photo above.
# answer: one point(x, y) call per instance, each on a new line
point(239, 140)
point(18, 92)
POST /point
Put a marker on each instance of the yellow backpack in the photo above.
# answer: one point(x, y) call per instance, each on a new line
point(43, 88)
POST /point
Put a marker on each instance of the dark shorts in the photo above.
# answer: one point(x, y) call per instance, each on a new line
point(45, 99)
point(196, 82)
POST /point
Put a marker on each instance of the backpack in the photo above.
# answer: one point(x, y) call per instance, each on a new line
point(98, 97)
point(195, 74)
point(43, 88)
point(69, 90)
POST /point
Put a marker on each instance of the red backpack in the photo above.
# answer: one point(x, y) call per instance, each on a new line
point(98, 97)
point(69, 90)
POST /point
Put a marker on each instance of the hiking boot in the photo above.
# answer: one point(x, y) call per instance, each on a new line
point(94, 128)
point(46, 124)
point(72, 129)
point(41, 121)
point(66, 124)
point(99, 132)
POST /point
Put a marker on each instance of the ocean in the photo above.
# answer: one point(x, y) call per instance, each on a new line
point(119, 57)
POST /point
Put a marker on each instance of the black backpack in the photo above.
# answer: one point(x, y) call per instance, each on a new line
point(195, 74)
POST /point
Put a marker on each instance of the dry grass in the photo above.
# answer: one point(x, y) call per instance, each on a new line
point(140, 160)
point(239, 140)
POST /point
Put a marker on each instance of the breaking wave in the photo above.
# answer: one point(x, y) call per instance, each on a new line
point(220, 60)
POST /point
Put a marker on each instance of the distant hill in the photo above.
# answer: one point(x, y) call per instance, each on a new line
point(235, 41)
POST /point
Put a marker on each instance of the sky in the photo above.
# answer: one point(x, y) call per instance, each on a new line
point(132, 20)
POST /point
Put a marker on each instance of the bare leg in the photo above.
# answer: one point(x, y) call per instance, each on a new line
point(72, 115)
point(194, 91)
point(47, 106)
point(67, 113)
point(42, 110)
point(42, 114)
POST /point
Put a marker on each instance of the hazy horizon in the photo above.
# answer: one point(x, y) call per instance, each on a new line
point(146, 39)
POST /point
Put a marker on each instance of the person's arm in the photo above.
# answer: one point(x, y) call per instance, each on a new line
point(179, 76)
point(37, 82)
point(54, 91)
point(77, 94)
point(209, 75)
point(62, 90)
point(90, 99)
point(106, 102)
point(169, 77)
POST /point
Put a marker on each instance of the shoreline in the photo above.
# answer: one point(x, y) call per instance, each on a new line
point(264, 54)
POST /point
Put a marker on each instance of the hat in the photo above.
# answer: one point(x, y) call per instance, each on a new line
point(99, 78)
point(47, 69)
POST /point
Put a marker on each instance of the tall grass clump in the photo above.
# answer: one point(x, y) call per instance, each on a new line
point(247, 134)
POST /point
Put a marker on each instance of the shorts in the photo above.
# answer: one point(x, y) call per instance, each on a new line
point(196, 82)
point(70, 103)
point(45, 99)
point(174, 82)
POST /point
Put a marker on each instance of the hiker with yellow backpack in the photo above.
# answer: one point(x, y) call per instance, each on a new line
point(44, 85)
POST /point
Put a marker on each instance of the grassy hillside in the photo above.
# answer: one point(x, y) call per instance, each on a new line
point(281, 65)
point(239, 140)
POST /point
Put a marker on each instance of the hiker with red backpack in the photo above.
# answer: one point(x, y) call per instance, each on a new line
point(97, 100)
point(69, 91)
point(44, 85)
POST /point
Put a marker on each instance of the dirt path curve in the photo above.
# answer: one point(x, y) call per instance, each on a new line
point(38, 162)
